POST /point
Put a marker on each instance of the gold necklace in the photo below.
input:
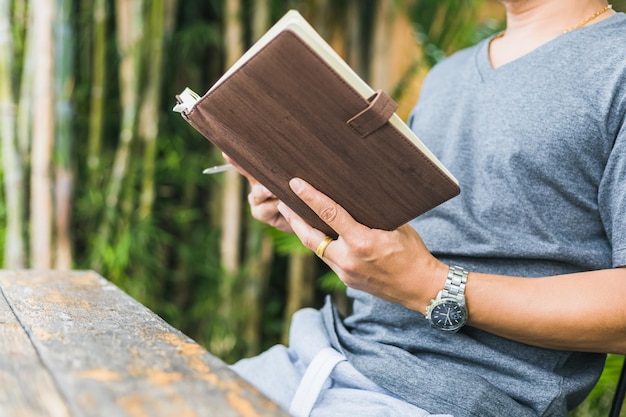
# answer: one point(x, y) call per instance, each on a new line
point(590, 18)
point(578, 26)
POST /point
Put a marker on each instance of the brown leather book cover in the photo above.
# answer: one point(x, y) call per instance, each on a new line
point(285, 112)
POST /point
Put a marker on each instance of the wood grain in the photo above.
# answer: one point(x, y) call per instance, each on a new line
point(106, 354)
point(27, 387)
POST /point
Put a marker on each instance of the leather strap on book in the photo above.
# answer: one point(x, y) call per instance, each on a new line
point(379, 111)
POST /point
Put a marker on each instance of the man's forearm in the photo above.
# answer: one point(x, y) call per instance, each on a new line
point(583, 311)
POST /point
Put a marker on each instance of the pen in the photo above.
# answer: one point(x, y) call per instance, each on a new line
point(218, 168)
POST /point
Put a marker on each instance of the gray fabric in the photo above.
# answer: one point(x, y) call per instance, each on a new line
point(539, 148)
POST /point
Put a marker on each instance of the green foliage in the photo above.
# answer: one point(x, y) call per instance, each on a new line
point(286, 243)
point(330, 283)
point(445, 26)
point(598, 403)
point(619, 5)
point(195, 38)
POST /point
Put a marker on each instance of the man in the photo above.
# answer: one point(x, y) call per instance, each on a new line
point(531, 254)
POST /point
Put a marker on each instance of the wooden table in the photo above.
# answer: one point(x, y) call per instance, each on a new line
point(73, 344)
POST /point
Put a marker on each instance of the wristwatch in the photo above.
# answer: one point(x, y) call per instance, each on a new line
point(448, 312)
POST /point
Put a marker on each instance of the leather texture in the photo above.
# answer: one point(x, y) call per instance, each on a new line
point(286, 113)
point(379, 111)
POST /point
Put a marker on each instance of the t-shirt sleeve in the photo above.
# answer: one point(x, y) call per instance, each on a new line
point(612, 196)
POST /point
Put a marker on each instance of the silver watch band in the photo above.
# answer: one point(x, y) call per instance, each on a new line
point(455, 284)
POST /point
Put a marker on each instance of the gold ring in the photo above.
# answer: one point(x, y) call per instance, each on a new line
point(321, 248)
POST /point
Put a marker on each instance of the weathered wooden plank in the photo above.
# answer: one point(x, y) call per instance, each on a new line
point(26, 387)
point(112, 356)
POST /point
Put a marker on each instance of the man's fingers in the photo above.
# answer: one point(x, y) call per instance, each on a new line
point(329, 211)
point(259, 194)
point(310, 237)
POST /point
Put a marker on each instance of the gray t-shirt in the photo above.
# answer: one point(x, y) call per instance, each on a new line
point(539, 148)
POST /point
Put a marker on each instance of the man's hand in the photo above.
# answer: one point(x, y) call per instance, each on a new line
point(264, 206)
point(395, 266)
point(263, 203)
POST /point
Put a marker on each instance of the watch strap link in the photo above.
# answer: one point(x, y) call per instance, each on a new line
point(455, 283)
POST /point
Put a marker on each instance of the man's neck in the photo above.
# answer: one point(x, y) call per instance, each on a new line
point(531, 23)
point(549, 17)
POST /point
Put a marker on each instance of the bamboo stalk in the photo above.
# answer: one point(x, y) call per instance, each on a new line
point(353, 37)
point(64, 178)
point(129, 31)
point(149, 112)
point(42, 137)
point(11, 163)
point(383, 27)
point(25, 101)
point(300, 287)
point(18, 24)
point(260, 247)
point(258, 268)
point(321, 17)
point(129, 26)
point(233, 184)
point(231, 202)
point(98, 77)
point(260, 18)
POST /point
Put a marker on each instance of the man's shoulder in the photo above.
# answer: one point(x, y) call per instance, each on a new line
point(603, 35)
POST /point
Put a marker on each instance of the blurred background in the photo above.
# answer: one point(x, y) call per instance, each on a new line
point(99, 173)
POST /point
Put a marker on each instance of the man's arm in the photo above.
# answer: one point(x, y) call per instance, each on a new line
point(584, 311)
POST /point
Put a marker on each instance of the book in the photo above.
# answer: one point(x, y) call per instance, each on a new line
point(292, 107)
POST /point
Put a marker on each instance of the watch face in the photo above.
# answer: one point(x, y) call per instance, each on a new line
point(448, 315)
